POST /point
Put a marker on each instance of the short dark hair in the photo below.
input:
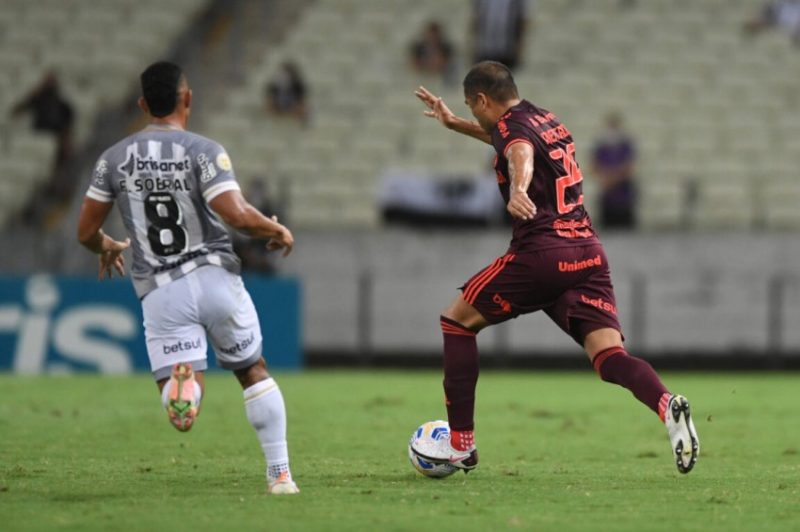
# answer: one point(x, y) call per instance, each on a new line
point(491, 78)
point(160, 83)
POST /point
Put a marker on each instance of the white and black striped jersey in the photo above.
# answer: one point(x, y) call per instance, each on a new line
point(163, 180)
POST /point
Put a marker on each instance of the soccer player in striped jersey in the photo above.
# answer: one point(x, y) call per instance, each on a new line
point(174, 189)
point(555, 263)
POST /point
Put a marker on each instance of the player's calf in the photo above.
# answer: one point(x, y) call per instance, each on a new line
point(265, 409)
point(616, 366)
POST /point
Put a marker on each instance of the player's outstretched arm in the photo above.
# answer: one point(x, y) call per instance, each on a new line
point(438, 109)
point(91, 236)
point(239, 214)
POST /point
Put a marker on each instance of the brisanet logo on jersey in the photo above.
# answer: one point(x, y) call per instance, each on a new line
point(50, 325)
point(148, 165)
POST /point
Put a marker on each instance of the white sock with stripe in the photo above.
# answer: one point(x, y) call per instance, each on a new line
point(266, 412)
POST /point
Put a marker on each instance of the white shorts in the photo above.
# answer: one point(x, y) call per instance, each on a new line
point(210, 300)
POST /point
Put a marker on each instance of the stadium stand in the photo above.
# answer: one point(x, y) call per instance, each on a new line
point(707, 105)
point(710, 108)
point(96, 49)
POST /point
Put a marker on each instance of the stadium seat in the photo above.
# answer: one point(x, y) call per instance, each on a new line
point(724, 205)
point(780, 199)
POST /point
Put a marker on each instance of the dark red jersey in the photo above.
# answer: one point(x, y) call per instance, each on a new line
point(556, 190)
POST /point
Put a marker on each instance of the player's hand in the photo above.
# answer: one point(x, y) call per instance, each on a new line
point(283, 240)
point(436, 107)
point(520, 206)
point(111, 257)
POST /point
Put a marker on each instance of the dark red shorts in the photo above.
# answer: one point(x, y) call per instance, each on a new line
point(572, 285)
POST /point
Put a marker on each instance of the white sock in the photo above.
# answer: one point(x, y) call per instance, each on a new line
point(198, 393)
point(263, 403)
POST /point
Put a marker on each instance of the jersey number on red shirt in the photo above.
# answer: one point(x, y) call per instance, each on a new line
point(573, 177)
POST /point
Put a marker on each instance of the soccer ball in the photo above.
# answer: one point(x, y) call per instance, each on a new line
point(434, 430)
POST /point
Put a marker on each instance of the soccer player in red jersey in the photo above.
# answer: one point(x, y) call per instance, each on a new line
point(555, 263)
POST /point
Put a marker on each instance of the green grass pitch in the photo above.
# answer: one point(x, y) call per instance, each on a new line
point(559, 451)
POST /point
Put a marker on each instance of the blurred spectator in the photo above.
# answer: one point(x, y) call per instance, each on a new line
point(433, 53)
point(51, 112)
point(613, 160)
point(287, 93)
point(253, 253)
point(498, 29)
point(781, 14)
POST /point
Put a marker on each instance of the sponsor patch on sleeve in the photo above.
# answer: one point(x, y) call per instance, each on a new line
point(224, 162)
point(100, 172)
point(207, 169)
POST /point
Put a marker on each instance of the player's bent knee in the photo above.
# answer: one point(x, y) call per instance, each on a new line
point(252, 374)
point(465, 315)
point(466, 324)
point(258, 368)
point(453, 327)
point(600, 340)
point(451, 312)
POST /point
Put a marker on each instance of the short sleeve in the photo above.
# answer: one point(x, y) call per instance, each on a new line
point(507, 133)
point(214, 171)
point(100, 188)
